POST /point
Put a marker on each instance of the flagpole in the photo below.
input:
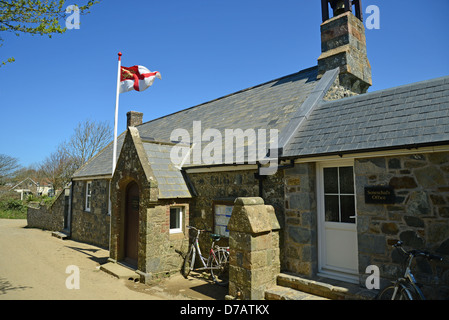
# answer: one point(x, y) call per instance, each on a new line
point(114, 154)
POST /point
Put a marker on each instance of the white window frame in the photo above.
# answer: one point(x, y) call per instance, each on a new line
point(324, 269)
point(180, 212)
point(88, 200)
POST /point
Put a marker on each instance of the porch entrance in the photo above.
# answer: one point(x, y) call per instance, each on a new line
point(131, 235)
point(337, 217)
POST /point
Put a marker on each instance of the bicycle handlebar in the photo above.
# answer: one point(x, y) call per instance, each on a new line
point(416, 253)
point(200, 230)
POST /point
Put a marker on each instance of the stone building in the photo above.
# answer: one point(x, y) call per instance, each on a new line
point(354, 171)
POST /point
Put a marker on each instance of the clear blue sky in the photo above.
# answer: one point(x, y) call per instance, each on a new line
point(204, 49)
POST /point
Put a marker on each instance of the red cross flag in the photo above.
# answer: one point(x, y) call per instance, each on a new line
point(136, 78)
point(133, 78)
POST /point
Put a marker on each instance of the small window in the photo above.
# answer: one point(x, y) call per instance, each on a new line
point(176, 219)
point(88, 195)
point(339, 197)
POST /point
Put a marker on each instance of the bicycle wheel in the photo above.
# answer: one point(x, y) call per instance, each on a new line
point(219, 263)
point(187, 263)
point(401, 294)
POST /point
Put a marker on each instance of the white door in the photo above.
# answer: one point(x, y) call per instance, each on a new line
point(338, 251)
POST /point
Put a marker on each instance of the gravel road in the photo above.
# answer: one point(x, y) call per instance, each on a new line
point(33, 266)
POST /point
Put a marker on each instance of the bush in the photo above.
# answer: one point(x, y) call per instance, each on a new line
point(13, 204)
point(12, 209)
point(48, 201)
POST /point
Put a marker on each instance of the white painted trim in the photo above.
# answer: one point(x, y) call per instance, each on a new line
point(180, 216)
point(374, 154)
point(323, 269)
point(88, 196)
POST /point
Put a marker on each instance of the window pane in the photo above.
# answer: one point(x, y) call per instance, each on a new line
point(222, 215)
point(346, 180)
point(330, 180)
point(331, 208)
point(88, 195)
point(347, 209)
point(175, 215)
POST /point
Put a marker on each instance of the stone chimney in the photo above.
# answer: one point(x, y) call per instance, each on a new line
point(343, 45)
point(133, 118)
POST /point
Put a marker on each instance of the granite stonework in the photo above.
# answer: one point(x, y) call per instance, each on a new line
point(46, 217)
point(343, 45)
point(254, 261)
point(301, 220)
point(224, 188)
point(419, 217)
point(91, 226)
point(159, 252)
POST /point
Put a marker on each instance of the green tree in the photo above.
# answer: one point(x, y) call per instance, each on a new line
point(41, 17)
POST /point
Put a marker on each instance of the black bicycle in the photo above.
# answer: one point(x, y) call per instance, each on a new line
point(406, 287)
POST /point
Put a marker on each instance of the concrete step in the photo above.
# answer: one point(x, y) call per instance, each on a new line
point(60, 235)
point(284, 293)
point(119, 271)
point(327, 288)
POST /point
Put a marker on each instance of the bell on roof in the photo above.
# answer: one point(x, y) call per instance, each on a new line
point(341, 6)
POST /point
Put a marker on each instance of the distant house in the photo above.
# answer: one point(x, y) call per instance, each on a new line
point(29, 186)
point(356, 171)
point(25, 187)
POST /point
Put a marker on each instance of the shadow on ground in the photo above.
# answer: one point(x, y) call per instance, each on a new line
point(197, 286)
point(90, 253)
point(5, 286)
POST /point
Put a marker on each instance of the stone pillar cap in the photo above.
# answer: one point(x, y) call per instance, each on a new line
point(250, 201)
point(251, 215)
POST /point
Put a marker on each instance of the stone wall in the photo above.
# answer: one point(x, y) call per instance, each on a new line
point(165, 251)
point(47, 218)
point(130, 169)
point(301, 220)
point(337, 91)
point(93, 226)
point(159, 251)
point(419, 217)
point(228, 186)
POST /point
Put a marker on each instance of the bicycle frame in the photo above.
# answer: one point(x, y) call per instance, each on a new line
point(406, 286)
point(408, 282)
point(196, 250)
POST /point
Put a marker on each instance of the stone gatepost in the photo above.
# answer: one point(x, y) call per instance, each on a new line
point(254, 259)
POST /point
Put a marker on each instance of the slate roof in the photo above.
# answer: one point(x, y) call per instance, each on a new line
point(101, 163)
point(171, 183)
point(406, 116)
point(266, 106)
point(403, 117)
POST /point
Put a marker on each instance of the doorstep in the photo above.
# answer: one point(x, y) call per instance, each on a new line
point(119, 271)
point(60, 235)
point(324, 287)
